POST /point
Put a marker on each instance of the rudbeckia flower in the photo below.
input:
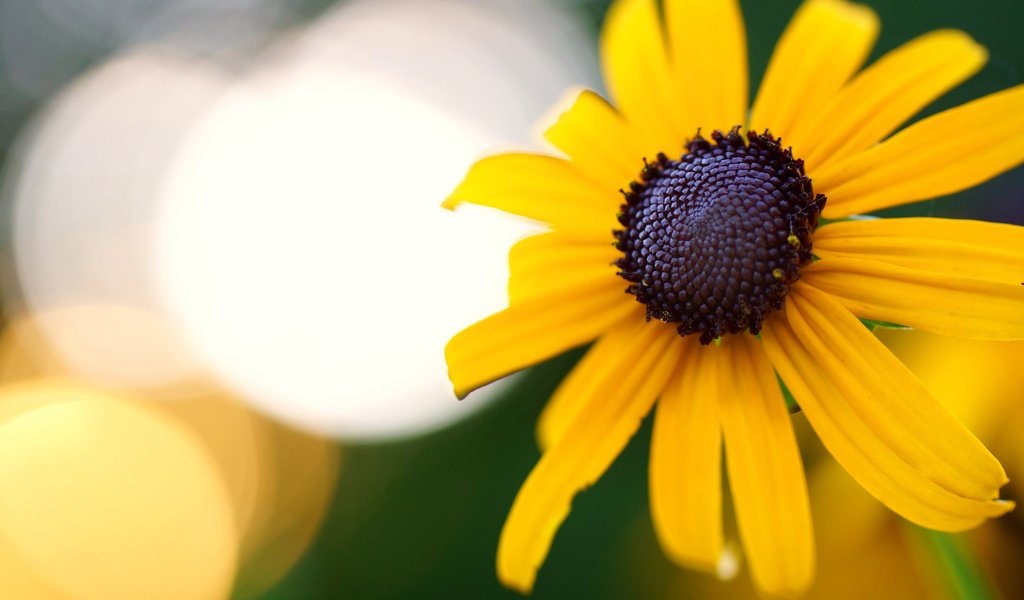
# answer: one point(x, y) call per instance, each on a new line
point(706, 251)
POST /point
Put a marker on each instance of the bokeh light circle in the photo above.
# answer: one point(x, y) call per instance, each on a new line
point(279, 480)
point(285, 215)
point(101, 497)
point(302, 245)
point(82, 186)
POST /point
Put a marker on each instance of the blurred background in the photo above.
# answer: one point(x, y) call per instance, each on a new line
point(226, 284)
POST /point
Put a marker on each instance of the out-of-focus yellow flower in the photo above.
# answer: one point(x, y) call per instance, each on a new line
point(715, 242)
point(982, 383)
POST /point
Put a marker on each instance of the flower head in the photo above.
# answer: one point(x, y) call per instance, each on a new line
point(674, 221)
point(712, 241)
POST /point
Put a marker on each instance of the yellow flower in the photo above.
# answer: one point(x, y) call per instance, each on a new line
point(719, 242)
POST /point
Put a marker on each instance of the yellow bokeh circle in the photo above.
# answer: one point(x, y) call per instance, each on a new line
point(104, 498)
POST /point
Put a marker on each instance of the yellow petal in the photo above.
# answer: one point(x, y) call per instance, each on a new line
point(949, 304)
point(592, 441)
point(709, 63)
point(854, 443)
point(550, 262)
point(889, 92)
point(599, 141)
point(539, 187)
point(825, 44)
point(686, 454)
point(636, 71)
point(890, 400)
point(992, 251)
point(940, 155)
point(610, 357)
point(766, 474)
point(532, 331)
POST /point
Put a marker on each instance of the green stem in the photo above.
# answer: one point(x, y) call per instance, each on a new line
point(958, 565)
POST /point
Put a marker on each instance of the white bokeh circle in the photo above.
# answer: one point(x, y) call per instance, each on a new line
point(302, 244)
point(305, 252)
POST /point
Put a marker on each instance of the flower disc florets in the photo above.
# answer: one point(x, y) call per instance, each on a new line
point(713, 240)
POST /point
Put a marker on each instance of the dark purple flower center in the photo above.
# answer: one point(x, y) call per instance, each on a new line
point(713, 241)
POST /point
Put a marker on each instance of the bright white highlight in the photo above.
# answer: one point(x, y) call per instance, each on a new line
point(84, 187)
point(302, 243)
point(280, 226)
point(309, 259)
point(728, 563)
